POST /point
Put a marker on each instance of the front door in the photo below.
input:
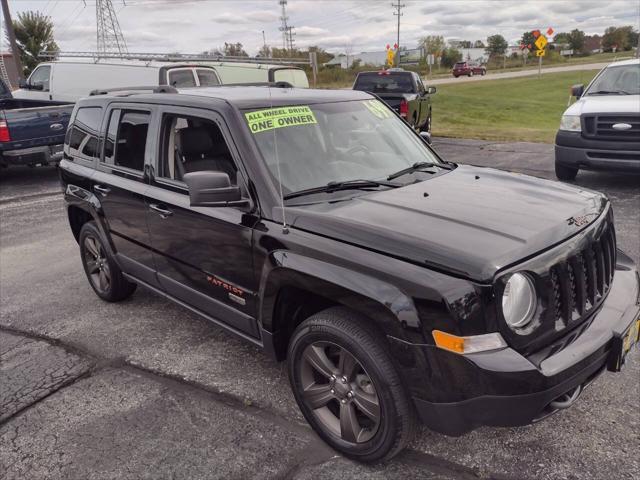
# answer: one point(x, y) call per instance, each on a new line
point(120, 184)
point(203, 254)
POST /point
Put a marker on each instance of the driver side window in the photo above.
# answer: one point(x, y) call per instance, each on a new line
point(192, 144)
point(41, 76)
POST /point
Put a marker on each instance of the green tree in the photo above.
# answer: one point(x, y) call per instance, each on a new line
point(234, 50)
point(496, 46)
point(433, 44)
point(576, 40)
point(449, 57)
point(621, 37)
point(264, 51)
point(465, 44)
point(478, 44)
point(34, 34)
point(528, 39)
point(562, 39)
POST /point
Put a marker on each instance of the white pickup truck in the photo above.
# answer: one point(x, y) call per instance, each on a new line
point(601, 131)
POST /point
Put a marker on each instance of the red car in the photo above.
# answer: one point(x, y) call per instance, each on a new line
point(468, 68)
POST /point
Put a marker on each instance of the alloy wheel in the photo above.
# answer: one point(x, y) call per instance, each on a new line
point(97, 265)
point(339, 392)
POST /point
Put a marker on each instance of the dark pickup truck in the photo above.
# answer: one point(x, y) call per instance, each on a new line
point(320, 227)
point(31, 131)
point(403, 91)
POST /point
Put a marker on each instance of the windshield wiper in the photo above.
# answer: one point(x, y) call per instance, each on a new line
point(418, 166)
point(610, 92)
point(345, 185)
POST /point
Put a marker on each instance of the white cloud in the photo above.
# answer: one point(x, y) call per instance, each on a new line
point(197, 25)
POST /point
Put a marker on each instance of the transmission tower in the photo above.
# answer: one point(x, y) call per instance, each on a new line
point(110, 39)
point(287, 35)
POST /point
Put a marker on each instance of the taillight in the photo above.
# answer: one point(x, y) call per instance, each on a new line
point(404, 108)
point(4, 132)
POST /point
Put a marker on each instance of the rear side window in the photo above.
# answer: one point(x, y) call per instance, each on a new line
point(83, 135)
point(207, 78)
point(384, 82)
point(182, 78)
point(126, 139)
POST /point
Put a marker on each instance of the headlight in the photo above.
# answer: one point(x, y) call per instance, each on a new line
point(518, 300)
point(570, 123)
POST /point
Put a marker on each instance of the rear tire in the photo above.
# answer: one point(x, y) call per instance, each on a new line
point(347, 387)
point(565, 173)
point(103, 273)
point(471, 73)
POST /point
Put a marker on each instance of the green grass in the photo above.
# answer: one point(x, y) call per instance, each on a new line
point(519, 109)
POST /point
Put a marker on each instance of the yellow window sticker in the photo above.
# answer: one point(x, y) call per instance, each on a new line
point(378, 108)
point(263, 120)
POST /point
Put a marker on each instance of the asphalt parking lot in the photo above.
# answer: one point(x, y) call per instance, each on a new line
point(145, 389)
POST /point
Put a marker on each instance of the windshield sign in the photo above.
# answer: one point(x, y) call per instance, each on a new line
point(335, 142)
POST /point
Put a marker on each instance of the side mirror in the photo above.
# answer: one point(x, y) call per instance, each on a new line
point(212, 189)
point(431, 90)
point(577, 90)
point(426, 137)
point(23, 84)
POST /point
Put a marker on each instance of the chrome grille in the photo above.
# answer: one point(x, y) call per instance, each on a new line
point(578, 284)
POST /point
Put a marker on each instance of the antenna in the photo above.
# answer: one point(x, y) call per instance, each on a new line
point(285, 228)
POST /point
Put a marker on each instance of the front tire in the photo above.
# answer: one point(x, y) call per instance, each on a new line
point(103, 273)
point(347, 387)
point(565, 173)
point(483, 73)
point(471, 73)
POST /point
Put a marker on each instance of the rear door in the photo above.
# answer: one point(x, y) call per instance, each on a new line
point(203, 254)
point(120, 183)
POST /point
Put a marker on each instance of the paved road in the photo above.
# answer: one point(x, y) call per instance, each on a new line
point(515, 74)
point(145, 389)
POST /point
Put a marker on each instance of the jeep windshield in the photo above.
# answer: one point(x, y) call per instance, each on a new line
point(618, 80)
point(360, 143)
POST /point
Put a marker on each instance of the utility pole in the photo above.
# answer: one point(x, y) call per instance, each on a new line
point(12, 38)
point(283, 28)
point(398, 13)
point(291, 35)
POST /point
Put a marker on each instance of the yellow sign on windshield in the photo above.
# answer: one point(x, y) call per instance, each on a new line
point(378, 108)
point(280, 117)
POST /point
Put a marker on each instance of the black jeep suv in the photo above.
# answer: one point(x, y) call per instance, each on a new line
point(321, 227)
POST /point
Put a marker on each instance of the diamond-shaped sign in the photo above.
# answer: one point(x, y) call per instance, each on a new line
point(540, 53)
point(550, 31)
point(541, 42)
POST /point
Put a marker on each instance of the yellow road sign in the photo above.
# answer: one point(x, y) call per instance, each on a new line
point(540, 53)
point(541, 42)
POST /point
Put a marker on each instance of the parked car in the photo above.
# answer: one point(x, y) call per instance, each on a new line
point(403, 91)
point(31, 131)
point(601, 131)
point(469, 69)
point(319, 226)
point(70, 80)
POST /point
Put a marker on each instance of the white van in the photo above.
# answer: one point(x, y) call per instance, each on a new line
point(67, 81)
point(259, 72)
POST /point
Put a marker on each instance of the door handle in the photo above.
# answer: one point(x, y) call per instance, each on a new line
point(102, 190)
point(164, 213)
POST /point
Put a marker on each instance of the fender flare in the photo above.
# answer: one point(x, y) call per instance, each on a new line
point(384, 303)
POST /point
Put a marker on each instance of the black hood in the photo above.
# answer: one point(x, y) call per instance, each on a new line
point(471, 221)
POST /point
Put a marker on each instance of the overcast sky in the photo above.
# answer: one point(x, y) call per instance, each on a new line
point(192, 26)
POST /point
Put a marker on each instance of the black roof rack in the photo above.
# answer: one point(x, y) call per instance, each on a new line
point(152, 89)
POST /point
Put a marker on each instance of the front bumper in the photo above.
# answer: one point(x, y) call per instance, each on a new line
point(573, 150)
point(504, 388)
